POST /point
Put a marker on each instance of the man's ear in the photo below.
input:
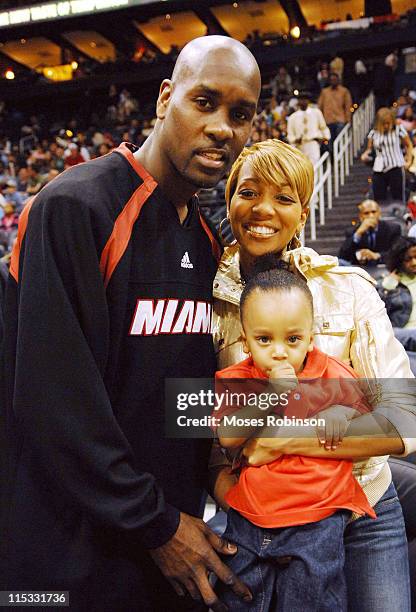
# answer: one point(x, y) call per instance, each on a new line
point(165, 94)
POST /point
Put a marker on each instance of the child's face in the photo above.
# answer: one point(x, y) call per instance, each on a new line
point(277, 327)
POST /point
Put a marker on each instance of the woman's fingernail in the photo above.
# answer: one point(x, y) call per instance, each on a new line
point(231, 547)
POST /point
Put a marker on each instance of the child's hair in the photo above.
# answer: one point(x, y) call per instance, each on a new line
point(271, 160)
point(271, 274)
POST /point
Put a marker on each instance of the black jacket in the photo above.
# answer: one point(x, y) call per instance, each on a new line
point(398, 303)
point(3, 280)
point(387, 234)
point(93, 479)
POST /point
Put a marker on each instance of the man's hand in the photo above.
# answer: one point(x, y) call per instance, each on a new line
point(337, 419)
point(367, 255)
point(367, 224)
point(188, 557)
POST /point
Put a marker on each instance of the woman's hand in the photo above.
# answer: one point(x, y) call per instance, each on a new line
point(365, 156)
point(259, 451)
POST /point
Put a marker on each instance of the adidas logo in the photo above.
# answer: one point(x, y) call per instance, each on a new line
point(186, 262)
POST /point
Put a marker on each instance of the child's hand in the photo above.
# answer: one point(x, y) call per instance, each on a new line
point(283, 377)
point(337, 419)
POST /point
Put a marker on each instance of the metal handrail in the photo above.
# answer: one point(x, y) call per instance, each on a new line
point(346, 147)
point(323, 179)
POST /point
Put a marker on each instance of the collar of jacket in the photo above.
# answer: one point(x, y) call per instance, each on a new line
point(228, 284)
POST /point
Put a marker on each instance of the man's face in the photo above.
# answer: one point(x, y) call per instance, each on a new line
point(303, 103)
point(207, 116)
point(333, 80)
point(370, 210)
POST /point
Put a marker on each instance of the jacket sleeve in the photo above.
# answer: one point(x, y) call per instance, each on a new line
point(323, 128)
point(392, 234)
point(60, 403)
point(380, 358)
point(349, 247)
point(291, 136)
point(347, 105)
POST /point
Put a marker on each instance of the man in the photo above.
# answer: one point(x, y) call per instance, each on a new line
point(306, 128)
point(110, 291)
point(335, 103)
point(369, 242)
point(337, 65)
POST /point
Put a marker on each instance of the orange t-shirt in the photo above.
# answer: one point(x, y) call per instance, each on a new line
point(294, 490)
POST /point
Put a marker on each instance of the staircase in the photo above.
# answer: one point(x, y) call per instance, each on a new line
point(344, 210)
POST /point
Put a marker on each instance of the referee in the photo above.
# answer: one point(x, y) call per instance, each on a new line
point(387, 140)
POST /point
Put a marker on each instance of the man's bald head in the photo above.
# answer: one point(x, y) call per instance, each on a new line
point(368, 204)
point(214, 51)
point(369, 209)
point(204, 113)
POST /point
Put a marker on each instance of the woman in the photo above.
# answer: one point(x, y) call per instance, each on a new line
point(387, 139)
point(407, 120)
point(267, 196)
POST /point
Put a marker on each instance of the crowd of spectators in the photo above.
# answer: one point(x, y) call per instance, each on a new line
point(33, 155)
point(34, 150)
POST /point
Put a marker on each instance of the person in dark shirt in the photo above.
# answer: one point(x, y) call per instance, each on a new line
point(109, 294)
point(368, 243)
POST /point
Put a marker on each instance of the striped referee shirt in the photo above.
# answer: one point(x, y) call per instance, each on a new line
point(388, 149)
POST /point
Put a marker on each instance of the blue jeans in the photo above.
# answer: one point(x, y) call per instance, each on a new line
point(290, 569)
point(407, 336)
point(376, 559)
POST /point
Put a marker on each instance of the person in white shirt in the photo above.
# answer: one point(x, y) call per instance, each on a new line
point(306, 128)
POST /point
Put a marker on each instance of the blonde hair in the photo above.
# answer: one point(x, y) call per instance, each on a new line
point(384, 114)
point(271, 160)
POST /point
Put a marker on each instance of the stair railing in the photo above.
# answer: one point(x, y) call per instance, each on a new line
point(323, 182)
point(349, 142)
point(362, 121)
point(347, 145)
point(343, 157)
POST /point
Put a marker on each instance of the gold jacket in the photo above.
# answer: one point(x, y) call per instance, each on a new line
point(351, 324)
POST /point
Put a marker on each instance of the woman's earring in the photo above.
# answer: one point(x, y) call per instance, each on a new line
point(224, 238)
point(295, 242)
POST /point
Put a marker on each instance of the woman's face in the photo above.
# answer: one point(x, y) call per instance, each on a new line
point(409, 261)
point(264, 217)
point(387, 124)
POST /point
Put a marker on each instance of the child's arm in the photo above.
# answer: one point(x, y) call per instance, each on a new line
point(338, 416)
point(282, 379)
point(337, 420)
